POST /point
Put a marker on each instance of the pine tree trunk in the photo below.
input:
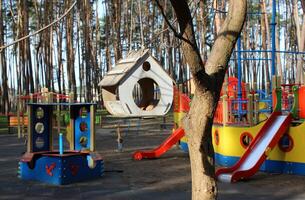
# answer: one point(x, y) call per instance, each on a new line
point(300, 32)
point(3, 66)
point(70, 52)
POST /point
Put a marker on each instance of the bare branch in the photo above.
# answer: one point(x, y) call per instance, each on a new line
point(176, 34)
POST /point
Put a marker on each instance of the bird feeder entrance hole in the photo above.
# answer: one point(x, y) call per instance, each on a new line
point(146, 94)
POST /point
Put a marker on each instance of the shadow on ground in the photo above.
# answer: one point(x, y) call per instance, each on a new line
point(165, 178)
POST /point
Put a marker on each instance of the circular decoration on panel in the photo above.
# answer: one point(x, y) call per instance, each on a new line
point(83, 126)
point(39, 113)
point(216, 137)
point(83, 113)
point(245, 139)
point(286, 143)
point(39, 142)
point(83, 141)
point(146, 66)
point(39, 128)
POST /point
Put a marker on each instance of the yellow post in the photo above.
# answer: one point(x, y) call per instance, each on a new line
point(254, 86)
point(250, 109)
point(18, 116)
point(231, 117)
point(71, 97)
point(274, 82)
point(278, 81)
point(29, 139)
point(70, 134)
point(256, 108)
point(225, 84)
point(49, 97)
point(44, 92)
point(225, 109)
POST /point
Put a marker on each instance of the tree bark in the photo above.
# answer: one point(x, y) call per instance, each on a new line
point(3, 66)
point(208, 80)
point(300, 32)
point(70, 54)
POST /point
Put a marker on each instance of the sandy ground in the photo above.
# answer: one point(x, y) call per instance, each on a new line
point(164, 178)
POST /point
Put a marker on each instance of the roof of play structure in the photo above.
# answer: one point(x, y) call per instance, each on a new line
point(124, 67)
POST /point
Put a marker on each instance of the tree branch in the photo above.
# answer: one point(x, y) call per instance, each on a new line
point(176, 34)
point(40, 30)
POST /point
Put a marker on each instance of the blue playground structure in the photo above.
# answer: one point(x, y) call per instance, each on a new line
point(42, 163)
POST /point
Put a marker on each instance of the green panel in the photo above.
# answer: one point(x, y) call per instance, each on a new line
point(295, 106)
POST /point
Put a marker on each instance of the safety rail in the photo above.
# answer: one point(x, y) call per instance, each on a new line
point(252, 110)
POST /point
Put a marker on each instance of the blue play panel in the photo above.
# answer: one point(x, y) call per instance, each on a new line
point(80, 162)
point(58, 169)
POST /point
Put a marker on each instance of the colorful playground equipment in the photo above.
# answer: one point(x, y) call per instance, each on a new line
point(258, 150)
point(19, 119)
point(246, 136)
point(42, 163)
point(254, 129)
point(163, 148)
point(274, 145)
point(181, 106)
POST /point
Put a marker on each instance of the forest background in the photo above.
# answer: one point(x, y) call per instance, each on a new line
point(74, 54)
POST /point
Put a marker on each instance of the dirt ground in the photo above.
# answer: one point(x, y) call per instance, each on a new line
point(165, 178)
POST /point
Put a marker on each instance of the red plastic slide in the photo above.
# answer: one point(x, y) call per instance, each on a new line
point(258, 150)
point(164, 147)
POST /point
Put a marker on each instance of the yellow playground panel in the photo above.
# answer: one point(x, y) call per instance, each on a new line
point(231, 142)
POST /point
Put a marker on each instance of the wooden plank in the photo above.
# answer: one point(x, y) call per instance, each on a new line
point(72, 145)
point(30, 138)
point(18, 116)
point(51, 127)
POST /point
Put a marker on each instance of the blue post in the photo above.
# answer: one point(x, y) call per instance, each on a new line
point(239, 66)
point(61, 144)
point(273, 26)
point(273, 50)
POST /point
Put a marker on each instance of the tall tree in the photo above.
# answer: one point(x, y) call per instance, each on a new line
point(70, 54)
point(25, 61)
point(300, 34)
point(90, 60)
point(4, 86)
point(208, 80)
point(116, 23)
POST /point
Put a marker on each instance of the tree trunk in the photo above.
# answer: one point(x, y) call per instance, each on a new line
point(300, 31)
point(70, 56)
point(4, 87)
point(208, 80)
point(266, 69)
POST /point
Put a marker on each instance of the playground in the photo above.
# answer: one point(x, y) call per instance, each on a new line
point(164, 178)
point(190, 100)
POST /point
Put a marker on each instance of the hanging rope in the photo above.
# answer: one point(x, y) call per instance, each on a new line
point(40, 30)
